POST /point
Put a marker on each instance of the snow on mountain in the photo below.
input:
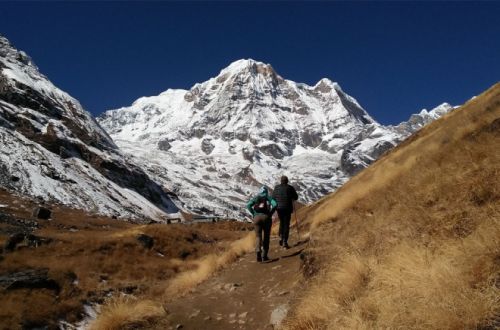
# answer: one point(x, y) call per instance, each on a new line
point(214, 144)
point(51, 148)
point(421, 119)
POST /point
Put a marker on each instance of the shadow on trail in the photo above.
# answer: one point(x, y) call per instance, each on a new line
point(300, 242)
point(293, 254)
point(271, 260)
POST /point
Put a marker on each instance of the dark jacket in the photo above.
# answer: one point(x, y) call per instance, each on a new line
point(285, 194)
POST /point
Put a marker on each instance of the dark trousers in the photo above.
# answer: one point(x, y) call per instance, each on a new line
point(262, 225)
point(285, 215)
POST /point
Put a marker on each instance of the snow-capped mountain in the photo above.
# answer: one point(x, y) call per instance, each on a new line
point(51, 148)
point(419, 120)
point(214, 144)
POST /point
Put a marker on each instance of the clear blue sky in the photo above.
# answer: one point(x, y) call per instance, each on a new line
point(394, 58)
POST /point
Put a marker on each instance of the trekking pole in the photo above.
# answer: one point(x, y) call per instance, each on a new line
point(296, 220)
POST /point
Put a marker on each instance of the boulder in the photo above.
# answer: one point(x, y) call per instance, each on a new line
point(42, 213)
point(36, 241)
point(146, 241)
point(28, 279)
point(164, 145)
point(13, 241)
point(207, 146)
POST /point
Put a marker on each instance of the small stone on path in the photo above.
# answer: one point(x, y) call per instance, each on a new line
point(195, 313)
point(278, 315)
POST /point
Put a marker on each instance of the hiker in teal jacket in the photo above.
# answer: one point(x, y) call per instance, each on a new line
point(262, 208)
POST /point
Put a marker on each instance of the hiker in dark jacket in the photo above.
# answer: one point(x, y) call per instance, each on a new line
point(285, 195)
point(262, 208)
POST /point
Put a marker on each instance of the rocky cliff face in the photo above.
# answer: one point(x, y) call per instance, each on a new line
point(214, 144)
point(51, 148)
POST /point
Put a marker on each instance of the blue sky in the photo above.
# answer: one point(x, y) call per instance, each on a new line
point(395, 58)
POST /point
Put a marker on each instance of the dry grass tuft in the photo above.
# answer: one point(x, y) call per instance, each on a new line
point(127, 313)
point(413, 242)
point(207, 266)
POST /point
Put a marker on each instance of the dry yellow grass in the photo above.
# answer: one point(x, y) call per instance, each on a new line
point(413, 242)
point(127, 313)
point(208, 265)
point(102, 255)
point(124, 313)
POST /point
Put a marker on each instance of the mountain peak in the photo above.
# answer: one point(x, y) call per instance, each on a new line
point(245, 127)
point(325, 81)
point(245, 65)
point(11, 54)
point(325, 85)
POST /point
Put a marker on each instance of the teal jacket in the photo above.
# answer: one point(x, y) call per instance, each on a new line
point(253, 201)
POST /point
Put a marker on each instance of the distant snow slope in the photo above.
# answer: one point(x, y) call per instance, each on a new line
point(51, 148)
point(214, 144)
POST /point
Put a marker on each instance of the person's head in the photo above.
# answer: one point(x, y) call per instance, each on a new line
point(263, 191)
point(284, 179)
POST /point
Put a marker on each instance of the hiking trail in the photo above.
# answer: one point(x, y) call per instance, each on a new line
point(245, 295)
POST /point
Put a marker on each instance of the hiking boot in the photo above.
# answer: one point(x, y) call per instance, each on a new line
point(281, 242)
point(286, 246)
point(265, 258)
point(259, 257)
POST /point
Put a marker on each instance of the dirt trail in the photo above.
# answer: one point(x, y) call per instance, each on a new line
point(246, 295)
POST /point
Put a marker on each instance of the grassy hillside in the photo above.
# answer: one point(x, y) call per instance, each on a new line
point(88, 259)
point(414, 240)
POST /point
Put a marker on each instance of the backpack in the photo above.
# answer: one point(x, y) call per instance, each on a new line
point(261, 205)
